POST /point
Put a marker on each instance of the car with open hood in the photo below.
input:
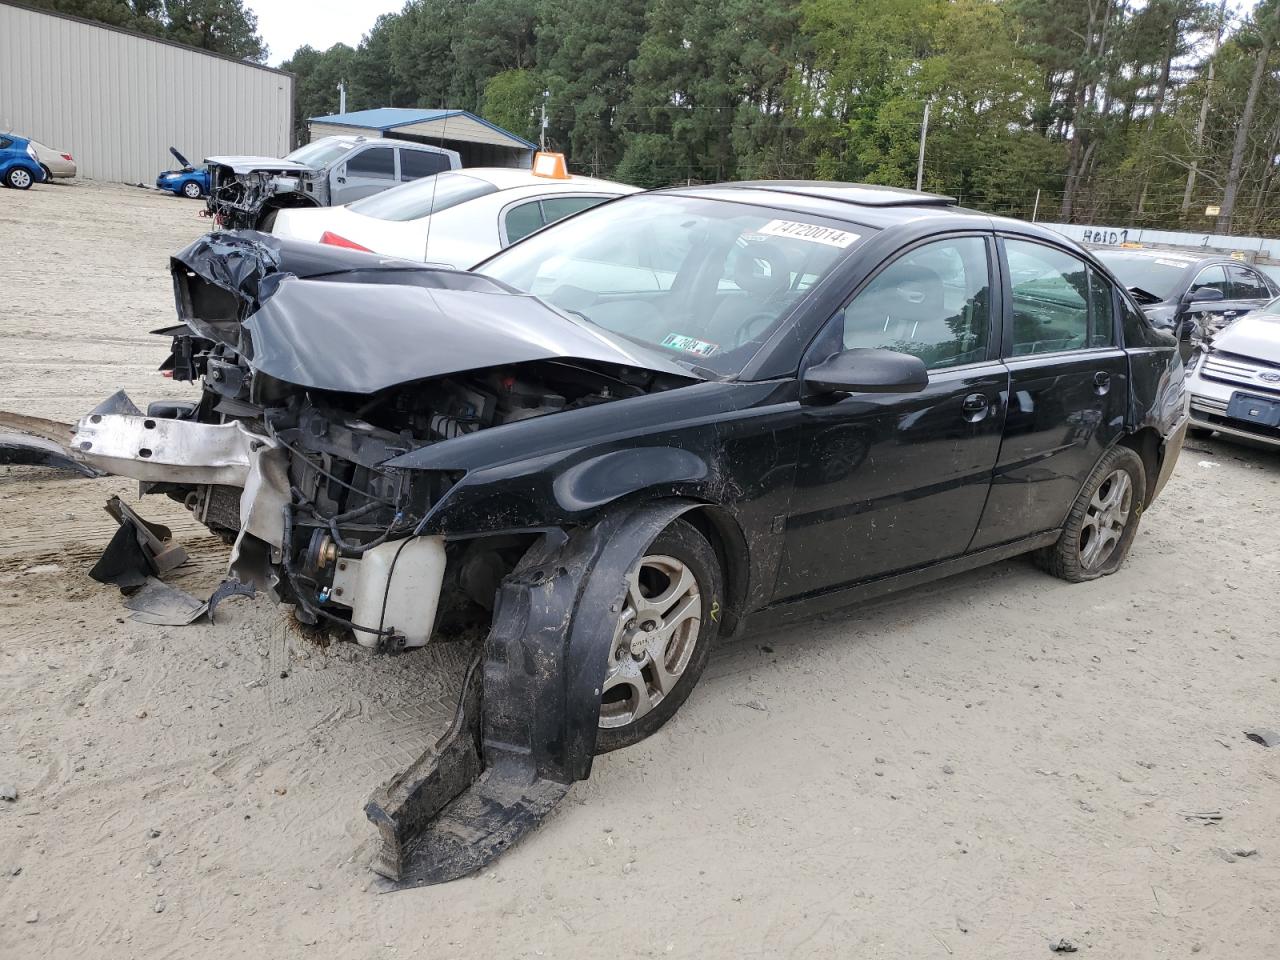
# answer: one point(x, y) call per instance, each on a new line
point(248, 191)
point(634, 433)
point(1234, 385)
point(186, 181)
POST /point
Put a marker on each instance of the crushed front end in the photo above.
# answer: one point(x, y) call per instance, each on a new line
point(324, 375)
point(242, 193)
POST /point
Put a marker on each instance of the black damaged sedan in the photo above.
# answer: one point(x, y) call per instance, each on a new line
point(634, 433)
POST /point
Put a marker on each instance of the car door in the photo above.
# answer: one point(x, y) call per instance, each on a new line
point(1068, 388)
point(363, 172)
point(886, 482)
point(1247, 291)
point(1209, 312)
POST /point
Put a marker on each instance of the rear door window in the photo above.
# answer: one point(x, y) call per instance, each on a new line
point(521, 220)
point(415, 164)
point(1050, 299)
point(376, 162)
point(1246, 285)
point(1214, 277)
point(557, 208)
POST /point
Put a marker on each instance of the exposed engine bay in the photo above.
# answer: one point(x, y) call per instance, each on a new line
point(290, 452)
point(239, 198)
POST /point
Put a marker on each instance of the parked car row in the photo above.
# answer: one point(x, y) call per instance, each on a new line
point(1232, 311)
point(24, 162)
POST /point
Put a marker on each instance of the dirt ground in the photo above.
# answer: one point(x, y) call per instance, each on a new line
point(973, 770)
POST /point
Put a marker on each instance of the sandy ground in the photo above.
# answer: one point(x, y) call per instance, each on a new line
point(973, 770)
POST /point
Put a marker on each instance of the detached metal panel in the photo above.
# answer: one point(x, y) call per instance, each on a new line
point(117, 100)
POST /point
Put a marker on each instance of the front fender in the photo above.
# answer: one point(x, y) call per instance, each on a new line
point(568, 489)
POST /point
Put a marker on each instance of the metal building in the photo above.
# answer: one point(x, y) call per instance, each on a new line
point(479, 142)
point(117, 100)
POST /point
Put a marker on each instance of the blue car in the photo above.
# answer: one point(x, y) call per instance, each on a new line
point(19, 165)
point(187, 182)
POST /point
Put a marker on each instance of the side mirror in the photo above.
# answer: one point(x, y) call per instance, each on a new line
point(1187, 331)
point(868, 371)
point(1203, 295)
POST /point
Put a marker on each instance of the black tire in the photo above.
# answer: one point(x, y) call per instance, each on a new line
point(48, 174)
point(267, 221)
point(191, 194)
point(1067, 559)
point(19, 178)
point(681, 541)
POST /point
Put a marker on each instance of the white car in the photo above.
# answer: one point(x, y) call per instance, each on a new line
point(454, 219)
point(1235, 381)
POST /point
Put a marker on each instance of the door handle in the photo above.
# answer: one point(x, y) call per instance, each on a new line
point(342, 179)
point(975, 407)
point(1101, 382)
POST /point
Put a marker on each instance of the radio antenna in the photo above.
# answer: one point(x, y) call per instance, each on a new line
point(435, 182)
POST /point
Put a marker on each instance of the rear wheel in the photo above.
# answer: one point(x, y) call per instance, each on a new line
point(192, 190)
point(1103, 521)
point(663, 637)
point(19, 178)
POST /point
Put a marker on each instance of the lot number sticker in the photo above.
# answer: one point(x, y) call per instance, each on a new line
point(808, 231)
point(699, 348)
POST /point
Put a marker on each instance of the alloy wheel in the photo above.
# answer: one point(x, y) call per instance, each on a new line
point(1105, 519)
point(20, 179)
point(654, 640)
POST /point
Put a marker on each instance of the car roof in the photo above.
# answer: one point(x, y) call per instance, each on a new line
point(507, 178)
point(354, 138)
point(1147, 253)
point(866, 205)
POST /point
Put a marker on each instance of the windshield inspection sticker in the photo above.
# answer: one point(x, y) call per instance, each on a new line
point(699, 348)
point(809, 231)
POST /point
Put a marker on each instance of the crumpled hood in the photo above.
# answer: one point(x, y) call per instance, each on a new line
point(1255, 335)
point(327, 318)
point(247, 164)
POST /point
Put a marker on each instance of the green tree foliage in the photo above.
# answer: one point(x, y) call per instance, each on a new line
point(227, 27)
point(222, 26)
point(1140, 112)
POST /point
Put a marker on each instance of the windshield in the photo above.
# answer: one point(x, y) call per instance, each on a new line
point(320, 152)
point(705, 282)
point(421, 198)
point(1159, 276)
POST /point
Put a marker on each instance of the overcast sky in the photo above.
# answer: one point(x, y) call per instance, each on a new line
point(287, 24)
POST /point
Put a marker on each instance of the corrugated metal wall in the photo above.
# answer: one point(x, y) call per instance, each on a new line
point(117, 101)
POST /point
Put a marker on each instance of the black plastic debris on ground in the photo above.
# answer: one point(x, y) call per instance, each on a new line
point(1268, 738)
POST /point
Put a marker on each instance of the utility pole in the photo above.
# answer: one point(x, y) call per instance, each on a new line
point(542, 124)
point(342, 96)
point(924, 132)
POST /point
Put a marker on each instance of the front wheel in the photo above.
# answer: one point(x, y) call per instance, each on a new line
point(19, 178)
point(191, 190)
point(663, 637)
point(1103, 521)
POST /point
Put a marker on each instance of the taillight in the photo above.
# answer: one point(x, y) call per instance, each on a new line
point(334, 240)
point(69, 158)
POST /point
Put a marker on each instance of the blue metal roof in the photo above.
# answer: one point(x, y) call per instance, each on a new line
point(389, 118)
